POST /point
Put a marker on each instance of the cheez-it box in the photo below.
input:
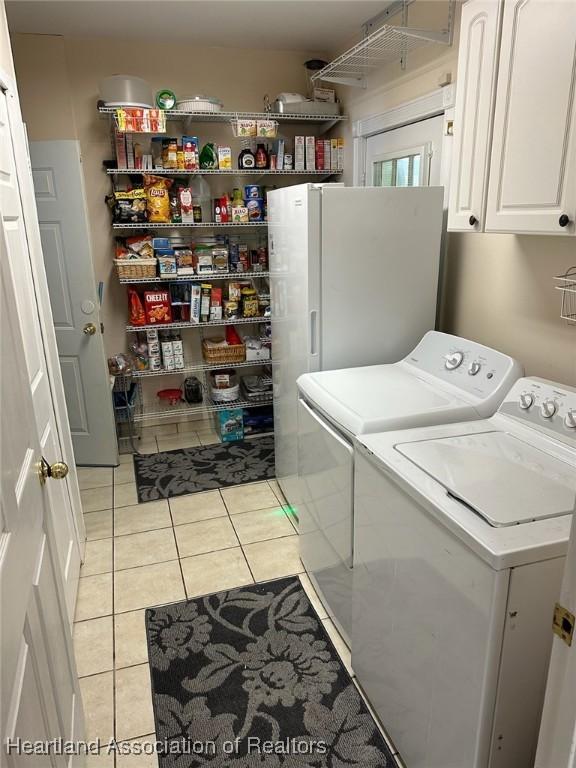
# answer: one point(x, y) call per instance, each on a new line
point(157, 307)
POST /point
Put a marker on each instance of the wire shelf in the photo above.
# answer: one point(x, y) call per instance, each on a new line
point(152, 411)
point(187, 225)
point(566, 283)
point(224, 172)
point(226, 117)
point(187, 324)
point(199, 367)
point(194, 278)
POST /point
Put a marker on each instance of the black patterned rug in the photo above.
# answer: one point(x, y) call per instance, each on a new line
point(249, 678)
point(191, 470)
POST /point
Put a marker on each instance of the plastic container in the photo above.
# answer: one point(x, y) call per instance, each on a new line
point(199, 104)
point(126, 91)
point(201, 196)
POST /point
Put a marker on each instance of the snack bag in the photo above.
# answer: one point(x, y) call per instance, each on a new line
point(136, 310)
point(158, 199)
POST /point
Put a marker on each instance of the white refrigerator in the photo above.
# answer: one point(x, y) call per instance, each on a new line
point(353, 281)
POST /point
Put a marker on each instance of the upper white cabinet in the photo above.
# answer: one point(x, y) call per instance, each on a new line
point(528, 184)
point(475, 93)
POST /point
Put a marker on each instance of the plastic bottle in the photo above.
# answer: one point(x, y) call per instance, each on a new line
point(201, 196)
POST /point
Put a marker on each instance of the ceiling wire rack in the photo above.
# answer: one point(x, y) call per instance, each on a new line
point(152, 411)
point(227, 116)
point(189, 324)
point(566, 284)
point(199, 368)
point(386, 44)
point(217, 172)
point(186, 225)
point(194, 278)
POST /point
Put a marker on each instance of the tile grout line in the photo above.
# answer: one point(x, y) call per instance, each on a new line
point(239, 542)
point(178, 552)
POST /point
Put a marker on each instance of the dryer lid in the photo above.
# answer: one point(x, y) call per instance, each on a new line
point(379, 397)
point(500, 477)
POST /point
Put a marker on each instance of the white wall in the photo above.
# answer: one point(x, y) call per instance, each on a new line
point(498, 289)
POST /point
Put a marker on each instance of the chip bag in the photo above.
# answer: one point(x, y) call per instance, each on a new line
point(158, 199)
point(136, 310)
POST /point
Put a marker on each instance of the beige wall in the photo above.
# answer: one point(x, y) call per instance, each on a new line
point(58, 81)
point(498, 289)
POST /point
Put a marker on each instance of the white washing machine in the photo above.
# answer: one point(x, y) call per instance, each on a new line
point(445, 379)
point(461, 532)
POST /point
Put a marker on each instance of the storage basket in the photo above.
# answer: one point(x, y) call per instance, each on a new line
point(232, 353)
point(132, 269)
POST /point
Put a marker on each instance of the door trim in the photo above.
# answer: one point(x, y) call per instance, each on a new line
point(30, 218)
point(438, 102)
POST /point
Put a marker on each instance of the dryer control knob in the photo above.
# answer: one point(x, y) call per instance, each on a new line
point(570, 419)
point(548, 409)
point(474, 368)
point(454, 360)
point(526, 400)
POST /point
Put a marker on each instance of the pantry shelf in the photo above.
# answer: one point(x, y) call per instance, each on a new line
point(209, 324)
point(194, 278)
point(153, 410)
point(195, 225)
point(226, 117)
point(217, 172)
point(199, 367)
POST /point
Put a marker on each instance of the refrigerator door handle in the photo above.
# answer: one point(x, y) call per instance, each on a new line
point(314, 332)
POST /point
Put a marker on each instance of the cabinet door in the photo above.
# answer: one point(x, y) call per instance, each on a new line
point(533, 167)
point(475, 92)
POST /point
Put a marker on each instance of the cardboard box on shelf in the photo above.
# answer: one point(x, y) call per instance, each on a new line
point(299, 153)
point(310, 153)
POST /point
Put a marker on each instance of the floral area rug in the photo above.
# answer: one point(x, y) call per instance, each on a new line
point(249, 678)
point(190, 470)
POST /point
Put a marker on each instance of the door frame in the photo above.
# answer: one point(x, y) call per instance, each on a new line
point(30, 216)
point(438, 102)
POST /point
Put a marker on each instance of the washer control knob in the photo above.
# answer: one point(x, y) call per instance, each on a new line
point(474, 368)
point(454, 360)
point(526, 400)
point(570, 419)
point(548, 409)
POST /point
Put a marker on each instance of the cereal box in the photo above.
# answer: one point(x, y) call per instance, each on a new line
point(157, 307)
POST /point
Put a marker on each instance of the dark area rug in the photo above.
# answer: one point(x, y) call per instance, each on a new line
point(249, 678)
point(191, 470)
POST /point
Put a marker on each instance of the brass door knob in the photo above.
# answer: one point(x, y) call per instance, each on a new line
point(56, 471)
point(89, 329)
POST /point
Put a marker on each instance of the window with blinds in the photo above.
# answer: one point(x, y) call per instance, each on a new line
point(398, 171)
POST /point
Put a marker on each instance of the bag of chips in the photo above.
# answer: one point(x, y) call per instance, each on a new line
point(136, 310)
point(128, 207)
point(158, 199)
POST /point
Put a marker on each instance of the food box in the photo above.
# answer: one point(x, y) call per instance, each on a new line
point(263, 353)
point(299, 153)
point(157, 307)
point(186, 206)
point(195, 301)
point(246, 127)
point(224, 158)
point(240, 214)
point(184, 261)
point(216, 304)
point(340, 154)
point(310, 153)
point(333, 154)
point(167, 265)
point(190, 150)
point(231, 424)
point(266, 128)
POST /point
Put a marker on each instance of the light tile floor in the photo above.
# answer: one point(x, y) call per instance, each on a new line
point(141, 555)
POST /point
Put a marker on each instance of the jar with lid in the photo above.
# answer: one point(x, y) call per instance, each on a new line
point(249, 302)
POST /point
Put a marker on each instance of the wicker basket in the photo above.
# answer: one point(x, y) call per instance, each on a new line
point(131, 269)
point(233, 353)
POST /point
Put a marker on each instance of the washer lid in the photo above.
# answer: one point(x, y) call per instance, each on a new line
point(497, 475)
point(376, 398)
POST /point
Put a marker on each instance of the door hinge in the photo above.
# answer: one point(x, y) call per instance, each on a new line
point(563, 623)
point(102, 328)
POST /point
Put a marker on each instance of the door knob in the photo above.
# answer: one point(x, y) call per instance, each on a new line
point(89, 329)
point(564, 220)
point(472, 220)
point(57, 471)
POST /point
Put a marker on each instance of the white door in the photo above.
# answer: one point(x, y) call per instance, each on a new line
point(475, 94)
point(406, 157)
point(557, 740)
point(533, 168)
point(59, 188)
point(39, 693)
